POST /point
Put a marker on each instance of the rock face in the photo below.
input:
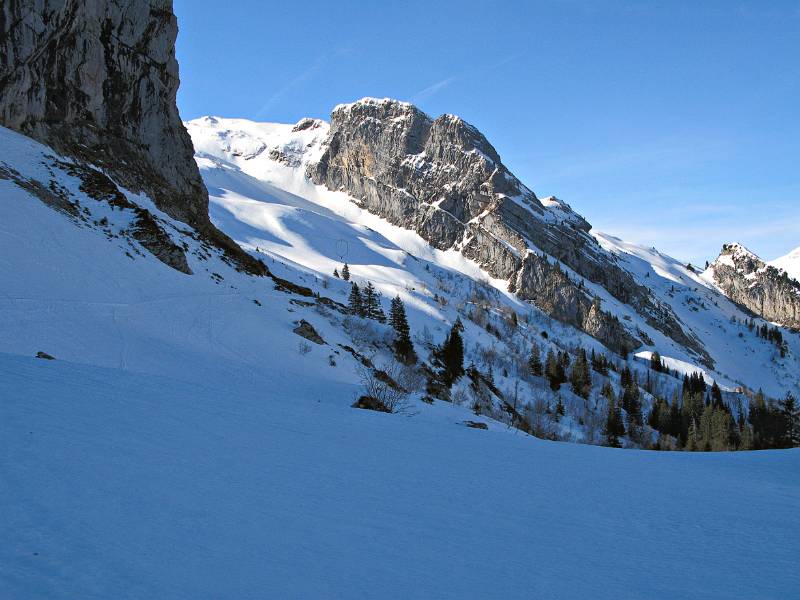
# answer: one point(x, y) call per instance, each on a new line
point(763, 289)
point(444, 180)
point(96, 80)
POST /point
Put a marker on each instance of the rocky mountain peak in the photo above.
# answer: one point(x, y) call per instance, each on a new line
point(764, 289)
point(737, 255)
point(443, 179)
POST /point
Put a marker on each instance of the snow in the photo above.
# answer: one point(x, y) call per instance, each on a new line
point(789, 263)
point(181, 446)
point(682, 367)
point(117, 485)
point(740, 357)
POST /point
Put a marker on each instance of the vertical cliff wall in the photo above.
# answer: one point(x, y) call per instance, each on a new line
point(96, 80)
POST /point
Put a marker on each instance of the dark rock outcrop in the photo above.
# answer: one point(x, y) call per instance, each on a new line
point(444, 180)
point(306, 330)
point(96, 80)
point(761, 288)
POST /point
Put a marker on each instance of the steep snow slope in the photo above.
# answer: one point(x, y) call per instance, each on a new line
point(119, 485)
point(255, 173)
point(789, 263)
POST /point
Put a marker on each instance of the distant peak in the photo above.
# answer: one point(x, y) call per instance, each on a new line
point(368, 101)
point(307, 123)
point(737, 250)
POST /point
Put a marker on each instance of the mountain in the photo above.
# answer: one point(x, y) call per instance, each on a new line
point(96, 81)
point(184, 413)
point(254, 171)
point(184, 416)
point(766, 289)
point(442, 179)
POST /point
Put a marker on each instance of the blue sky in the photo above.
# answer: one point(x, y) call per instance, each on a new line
point(674, 124)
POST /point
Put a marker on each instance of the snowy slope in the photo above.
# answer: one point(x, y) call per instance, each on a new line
point(185, 445)
point(789, 263)
point(117, 485)
point(264, 200)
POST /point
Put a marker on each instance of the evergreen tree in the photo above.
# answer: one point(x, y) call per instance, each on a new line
point(704, 431)
point(346, 272)
point(560, 411)
point(716, 396)
point(372, 303)
point(746, 440)
point(633, 407)
point(535, 361)
point(580, 376)
point(614, 428)
point(450, 356)
point(600, 363)
point(655, 362)
point(336, 273)
point(722, 428)
point(791, 417)
point(355, 303)
point(625, 377)
point(691, 438)
point(403, 346)
point(553, 371)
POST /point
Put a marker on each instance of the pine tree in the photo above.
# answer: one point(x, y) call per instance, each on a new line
point(791, 417)
point(372, 303)
point(560, 411)
point(580, 376)
point(535, 361)
point(655, 362)
point(336, 273)
point(716, 396)
point(691, 439)
point(633, 407)
point(403, 346)
point(613, 429)
point(355, 303)
point(600, 363)
point(451, 356)
point(552, 371)
point(346, 272)
point(746, 440)
point(704, 431)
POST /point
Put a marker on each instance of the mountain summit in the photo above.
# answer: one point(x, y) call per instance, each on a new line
point(443, 179)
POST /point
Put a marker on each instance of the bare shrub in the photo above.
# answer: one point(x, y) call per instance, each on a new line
point(381, 386)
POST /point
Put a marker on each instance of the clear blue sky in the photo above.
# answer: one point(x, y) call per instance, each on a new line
point(674, 124)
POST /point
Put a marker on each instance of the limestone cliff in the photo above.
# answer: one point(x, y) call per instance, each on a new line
point(96, 80)
point(764, 289)
point(443, 179)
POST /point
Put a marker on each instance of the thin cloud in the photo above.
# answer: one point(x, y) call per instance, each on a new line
point(298, 81)
point(435, 88)
point(431, 90)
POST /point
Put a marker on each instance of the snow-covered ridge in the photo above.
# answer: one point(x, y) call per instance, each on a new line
point(789, 263)
point(263, 219)
point(346, 106)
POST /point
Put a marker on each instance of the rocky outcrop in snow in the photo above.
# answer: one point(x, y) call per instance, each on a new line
point(444, 180)
point(96, 80)
point(762, 288)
